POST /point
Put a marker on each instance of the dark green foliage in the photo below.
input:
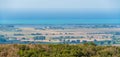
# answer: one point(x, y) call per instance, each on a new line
point(60, 50)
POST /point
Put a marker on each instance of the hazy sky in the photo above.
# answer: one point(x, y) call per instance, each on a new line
point(59, 11)
point(38, 4)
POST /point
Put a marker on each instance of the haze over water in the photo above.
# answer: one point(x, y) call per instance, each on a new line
point(59, 12)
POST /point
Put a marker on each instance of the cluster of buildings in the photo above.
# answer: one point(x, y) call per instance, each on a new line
point(59, 34)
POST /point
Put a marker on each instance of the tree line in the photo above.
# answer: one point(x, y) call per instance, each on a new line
point(58, 50)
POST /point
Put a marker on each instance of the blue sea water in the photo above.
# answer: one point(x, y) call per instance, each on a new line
point(60, 21)
point(60, 17)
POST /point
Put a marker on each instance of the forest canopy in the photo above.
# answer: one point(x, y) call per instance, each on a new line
point(58, 50)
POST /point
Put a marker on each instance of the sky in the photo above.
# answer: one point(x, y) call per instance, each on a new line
point(59, 11)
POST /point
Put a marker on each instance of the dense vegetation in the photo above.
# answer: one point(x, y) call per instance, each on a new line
point(60, 50)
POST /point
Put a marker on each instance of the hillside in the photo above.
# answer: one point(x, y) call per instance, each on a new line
point(60, 50)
